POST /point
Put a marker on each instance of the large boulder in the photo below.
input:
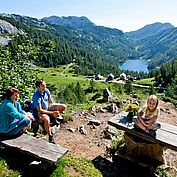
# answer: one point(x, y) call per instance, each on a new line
point(7, 28)
point(107, 95)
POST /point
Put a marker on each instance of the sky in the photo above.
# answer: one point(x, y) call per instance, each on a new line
point(126, 15)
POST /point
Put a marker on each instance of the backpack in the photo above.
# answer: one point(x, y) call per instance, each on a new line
point(27, 105)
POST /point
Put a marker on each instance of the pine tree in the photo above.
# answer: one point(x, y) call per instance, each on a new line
point(79, 92)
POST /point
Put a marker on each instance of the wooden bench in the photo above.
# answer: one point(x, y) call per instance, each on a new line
point(40, 149)
point(166, 136)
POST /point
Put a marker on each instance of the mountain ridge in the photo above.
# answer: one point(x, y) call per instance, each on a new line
point(154, 42)
point(148, 30)
point(72, 21)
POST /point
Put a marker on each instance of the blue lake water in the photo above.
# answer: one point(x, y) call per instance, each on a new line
point(135, 65)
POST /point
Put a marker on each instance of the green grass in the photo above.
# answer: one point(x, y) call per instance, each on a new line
point(55, 76)
point(67, 167)
point(161, 172)
point(5, 171)
point(76, 167)
point(148, 81)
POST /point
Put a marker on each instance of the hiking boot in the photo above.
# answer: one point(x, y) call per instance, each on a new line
point(51, 139)
point(157, 126)
point(59, 117)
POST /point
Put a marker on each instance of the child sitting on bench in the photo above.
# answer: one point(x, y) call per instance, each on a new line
point(147, 117)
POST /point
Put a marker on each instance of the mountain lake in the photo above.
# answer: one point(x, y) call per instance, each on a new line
point(135, 65)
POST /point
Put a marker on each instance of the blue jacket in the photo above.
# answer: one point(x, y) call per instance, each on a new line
point(10, 116)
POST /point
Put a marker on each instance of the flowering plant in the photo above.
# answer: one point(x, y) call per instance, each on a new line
point(132, 110)
point(131, 107)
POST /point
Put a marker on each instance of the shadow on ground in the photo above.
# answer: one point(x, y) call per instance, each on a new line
point(118, 168)
point(23, 163)
point(121, 168)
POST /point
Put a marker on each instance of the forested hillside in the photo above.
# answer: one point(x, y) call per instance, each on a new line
point(108, 43)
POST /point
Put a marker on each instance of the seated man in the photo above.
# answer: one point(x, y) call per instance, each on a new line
point(41, 109)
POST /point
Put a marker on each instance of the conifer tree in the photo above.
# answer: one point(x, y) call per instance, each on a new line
point(79, 92)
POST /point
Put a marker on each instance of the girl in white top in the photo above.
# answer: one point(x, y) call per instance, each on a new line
point(148, 115)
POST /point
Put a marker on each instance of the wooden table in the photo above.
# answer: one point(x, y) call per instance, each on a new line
point(165, 136)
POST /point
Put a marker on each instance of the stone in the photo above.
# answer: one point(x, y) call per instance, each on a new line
point(107, 95)
point(94, 122)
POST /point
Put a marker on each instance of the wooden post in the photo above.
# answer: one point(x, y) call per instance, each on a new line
point(136, 147)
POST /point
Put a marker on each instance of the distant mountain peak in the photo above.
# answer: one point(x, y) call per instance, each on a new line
point(158, 26)
point(149, 30)
point(73, 21)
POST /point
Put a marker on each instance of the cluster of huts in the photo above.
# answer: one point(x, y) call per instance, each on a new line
point(111, 77)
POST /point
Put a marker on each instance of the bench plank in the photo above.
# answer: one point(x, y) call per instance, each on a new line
point(166, 135)
point(38, 148)
point(170, 128)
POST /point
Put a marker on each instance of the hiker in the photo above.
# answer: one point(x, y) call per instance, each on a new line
point(13, 119)
point(147, 117)
point(43, 108)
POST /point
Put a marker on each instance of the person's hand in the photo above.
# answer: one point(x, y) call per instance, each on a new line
point(144, 123)
point(148, 122)
point(29, 115)
point(56, 113)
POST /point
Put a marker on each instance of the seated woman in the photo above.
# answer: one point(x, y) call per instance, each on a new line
point(13, 119)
